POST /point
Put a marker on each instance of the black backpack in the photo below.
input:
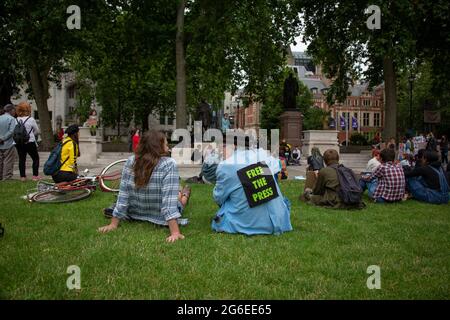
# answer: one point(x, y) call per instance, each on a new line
point(350, 191)
point(20, 134)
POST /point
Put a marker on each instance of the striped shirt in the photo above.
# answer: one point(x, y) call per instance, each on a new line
point(391, 182)
point(157, 202)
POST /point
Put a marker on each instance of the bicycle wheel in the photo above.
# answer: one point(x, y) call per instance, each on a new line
point(109, 178)
point(61, 196)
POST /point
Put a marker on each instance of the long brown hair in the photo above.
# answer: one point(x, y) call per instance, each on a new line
point(148, 152)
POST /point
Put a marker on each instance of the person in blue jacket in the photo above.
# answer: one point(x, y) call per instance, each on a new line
point(250, 200)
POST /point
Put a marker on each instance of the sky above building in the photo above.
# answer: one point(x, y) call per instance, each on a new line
point(300, 46)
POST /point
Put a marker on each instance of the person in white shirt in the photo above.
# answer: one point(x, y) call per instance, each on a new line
point(371, 166)
point(296, 155)
point(23, 112)
point(374, 162)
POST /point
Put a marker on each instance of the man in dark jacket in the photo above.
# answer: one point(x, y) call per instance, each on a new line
point(429, 183)
point(326, 189)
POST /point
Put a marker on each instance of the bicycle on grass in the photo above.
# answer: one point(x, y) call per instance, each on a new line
point(81, 188)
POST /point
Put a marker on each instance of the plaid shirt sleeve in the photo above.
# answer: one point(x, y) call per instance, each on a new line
point(121, 208)
point(378, 172)
point(169, 192)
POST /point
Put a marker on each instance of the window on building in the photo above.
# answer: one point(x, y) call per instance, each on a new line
point(366, 103)
point(376, 120)
point(307, 63)
point(162, 118)
point(71, 92)
point(366, 119)
point(170, 120)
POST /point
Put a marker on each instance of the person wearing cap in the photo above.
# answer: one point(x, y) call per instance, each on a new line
point(7, 150)
point(69, 154)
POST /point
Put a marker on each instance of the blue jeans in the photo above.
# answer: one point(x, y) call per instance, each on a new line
point(421, 192)
point(363, 184)
point(371, 187)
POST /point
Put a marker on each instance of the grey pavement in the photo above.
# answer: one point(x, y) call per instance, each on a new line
point(357, 162)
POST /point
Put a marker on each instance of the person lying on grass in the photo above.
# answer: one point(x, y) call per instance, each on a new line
point(250, 200)
point(149, 189)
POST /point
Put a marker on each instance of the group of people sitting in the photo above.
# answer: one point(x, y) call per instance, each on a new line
point(387, 180)
point(246, 189)
point(291, 156)
point(249, 198)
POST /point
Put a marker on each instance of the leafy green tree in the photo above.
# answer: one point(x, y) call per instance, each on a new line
point(228, 44)
point(314, 118)
point(341, 41)
point(423, 92)
point(129, 58)
point(41, 39)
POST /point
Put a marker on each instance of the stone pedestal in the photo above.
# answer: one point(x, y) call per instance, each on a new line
point(183, 156)
point(322, 139)
point(90, 147)
point(291, 127)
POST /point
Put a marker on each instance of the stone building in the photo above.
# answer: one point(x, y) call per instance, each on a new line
point(61, 101)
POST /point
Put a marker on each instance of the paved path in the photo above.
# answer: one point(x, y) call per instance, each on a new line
point(355, 161)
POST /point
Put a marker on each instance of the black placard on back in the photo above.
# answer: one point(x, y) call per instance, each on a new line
point(258, 183)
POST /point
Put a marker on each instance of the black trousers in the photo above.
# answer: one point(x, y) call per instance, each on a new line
point(31, 149)
point(64, 176)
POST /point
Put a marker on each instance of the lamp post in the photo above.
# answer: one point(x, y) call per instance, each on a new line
point(411, 80)
point(238, 117)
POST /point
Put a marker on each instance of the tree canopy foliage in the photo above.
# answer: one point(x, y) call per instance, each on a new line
point(341, 41)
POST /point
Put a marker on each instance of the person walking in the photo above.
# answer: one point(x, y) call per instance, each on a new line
point(130, 139)
point(431, 142)
point(225, 123)
point(7, 150)
point(24, 118)
point(136, 138)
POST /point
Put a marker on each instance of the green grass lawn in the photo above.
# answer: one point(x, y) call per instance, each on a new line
point(325, 257)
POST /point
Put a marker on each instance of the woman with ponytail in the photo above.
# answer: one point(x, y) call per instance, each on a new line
point(149, 189)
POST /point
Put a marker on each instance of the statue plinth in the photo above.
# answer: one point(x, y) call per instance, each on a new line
point(322, 139)
point(291, 127)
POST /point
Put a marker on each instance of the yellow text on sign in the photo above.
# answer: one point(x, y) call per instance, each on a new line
point(261, 195)
point(254, 172)
point(260, 183)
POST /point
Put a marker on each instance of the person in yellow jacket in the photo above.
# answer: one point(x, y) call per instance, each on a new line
point(69, 154)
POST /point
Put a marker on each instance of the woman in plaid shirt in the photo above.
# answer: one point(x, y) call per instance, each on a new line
point(149, 188)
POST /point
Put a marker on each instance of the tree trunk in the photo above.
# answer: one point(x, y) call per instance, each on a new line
point(144, 121)
point(6, 89)
point(390, 109)
point(39, 84)
point(119, 111)
point(181, 68)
